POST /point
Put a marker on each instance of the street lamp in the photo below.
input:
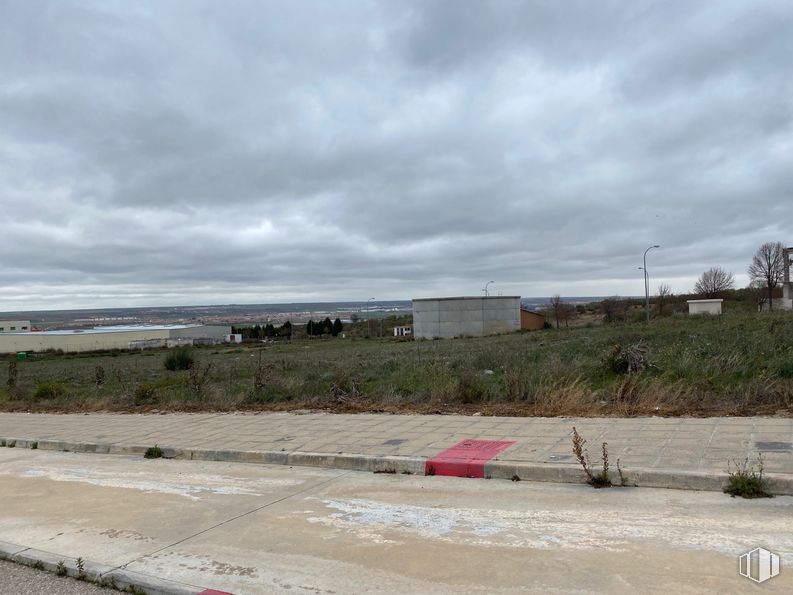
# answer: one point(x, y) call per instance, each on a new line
point(368, 321)
point(485, 289)
point(647, 283)
point(367, 304)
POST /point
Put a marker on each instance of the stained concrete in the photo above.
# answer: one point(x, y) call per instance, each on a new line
point(275, 529)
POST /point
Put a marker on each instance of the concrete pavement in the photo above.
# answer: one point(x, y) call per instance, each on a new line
point(180, 526)
point(655, 452)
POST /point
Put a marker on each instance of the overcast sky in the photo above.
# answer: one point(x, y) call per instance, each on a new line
point(168, 152)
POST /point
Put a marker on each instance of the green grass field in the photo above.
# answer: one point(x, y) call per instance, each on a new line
point(736, 364)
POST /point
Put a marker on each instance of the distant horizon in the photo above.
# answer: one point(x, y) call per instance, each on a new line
point(292, 303)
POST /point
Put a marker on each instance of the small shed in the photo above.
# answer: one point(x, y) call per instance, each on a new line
point(531, 321)
point(712, 306)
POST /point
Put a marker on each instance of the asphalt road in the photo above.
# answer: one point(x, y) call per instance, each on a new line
point(251, 529)
point(16, 579)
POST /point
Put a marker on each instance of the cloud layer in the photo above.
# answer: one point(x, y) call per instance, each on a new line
point(203, 152)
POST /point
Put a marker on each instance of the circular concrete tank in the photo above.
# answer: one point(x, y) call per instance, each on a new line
point(444, 318)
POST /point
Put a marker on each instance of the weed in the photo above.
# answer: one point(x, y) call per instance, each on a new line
point(153, 452)
point(197, 379)
point(3, 442)
point(390, 470)
point(135, 590)
point(628, 359)
point(60, 569)
point(145, 394)
point(11, 443)
point(34, 445)
point(515, 477)
point(38, 565)
point(430, 470)
point(747, 481)
point(596, 480)
point(623, 480)
point(179, 358)
point(49, 390)
point(407, 472)
point(80, 563)
point(12, 380)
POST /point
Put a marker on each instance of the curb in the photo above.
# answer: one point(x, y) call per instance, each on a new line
point(779, 484)
point(96, 573)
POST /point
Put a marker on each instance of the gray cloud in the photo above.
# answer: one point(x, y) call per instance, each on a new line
point(189, 152)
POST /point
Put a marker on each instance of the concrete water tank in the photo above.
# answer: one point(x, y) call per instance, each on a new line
point(448, 317)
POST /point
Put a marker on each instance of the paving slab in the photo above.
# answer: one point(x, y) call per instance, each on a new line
point(649, 448)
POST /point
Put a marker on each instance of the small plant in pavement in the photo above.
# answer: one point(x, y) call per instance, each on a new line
point(80, 563)
point(153, 452)
point(747, 481)
point(60, 569)
point(34, 445)
point(598, 479)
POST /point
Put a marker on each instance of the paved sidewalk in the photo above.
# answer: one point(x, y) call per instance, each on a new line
point(653, 451)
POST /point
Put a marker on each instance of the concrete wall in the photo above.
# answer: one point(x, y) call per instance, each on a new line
point(444, 318)
point(704, 306)
point(201, 332)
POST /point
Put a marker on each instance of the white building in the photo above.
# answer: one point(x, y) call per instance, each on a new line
point(712, 306)
point(103, 338)
point(14, 326)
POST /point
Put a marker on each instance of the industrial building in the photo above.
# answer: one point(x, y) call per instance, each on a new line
point(104, 338)
point(448, 317)
point(14, 326)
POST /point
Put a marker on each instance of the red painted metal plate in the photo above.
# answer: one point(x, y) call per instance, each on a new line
point(466, 458)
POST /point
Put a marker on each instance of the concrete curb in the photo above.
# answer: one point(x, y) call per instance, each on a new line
point(94, 572)
point(652, 478)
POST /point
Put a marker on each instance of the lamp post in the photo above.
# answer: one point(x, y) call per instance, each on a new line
point(485, 289)
point(647, 283)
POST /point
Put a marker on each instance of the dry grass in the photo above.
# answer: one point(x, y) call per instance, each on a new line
point(739, 364)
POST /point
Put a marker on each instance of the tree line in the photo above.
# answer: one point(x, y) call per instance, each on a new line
point(267, 331)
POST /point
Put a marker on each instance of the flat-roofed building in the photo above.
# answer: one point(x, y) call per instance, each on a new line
point(14, 326)
point(104, 338)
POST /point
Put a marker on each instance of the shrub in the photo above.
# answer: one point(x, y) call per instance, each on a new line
point(49, 390)
point(153, 452)
point(179, 358)
point(746, 481)
point(629, 359)
point(145, 394)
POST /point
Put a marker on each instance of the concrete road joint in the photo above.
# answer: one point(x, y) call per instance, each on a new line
point(239, 516)
point(94, 572)
point(781, 484)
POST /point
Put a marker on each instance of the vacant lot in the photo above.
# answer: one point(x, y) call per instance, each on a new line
point(736, 364)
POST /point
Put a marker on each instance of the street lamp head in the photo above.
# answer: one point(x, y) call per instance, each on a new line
point(656, 246)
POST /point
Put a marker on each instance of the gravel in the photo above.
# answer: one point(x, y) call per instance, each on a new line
point(17, 579)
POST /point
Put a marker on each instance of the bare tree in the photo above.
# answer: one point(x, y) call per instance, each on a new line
point(567, 313)
point(615, 308)
point(713, 281)
point(767, 267)
point(555, 308)
point(664, 293)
